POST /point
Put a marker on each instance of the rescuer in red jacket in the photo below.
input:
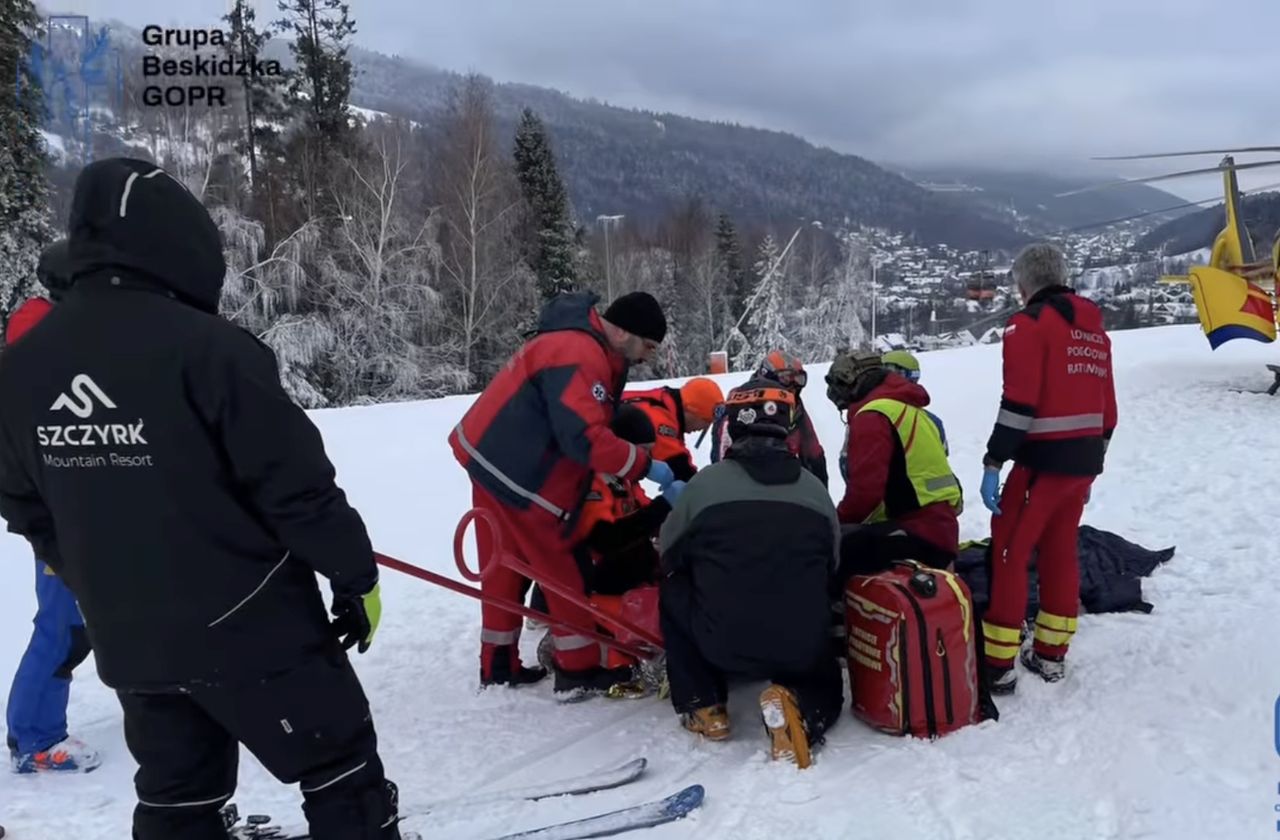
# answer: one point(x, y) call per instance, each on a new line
point(1055, 421)
point(53, 275)
point(531, 443)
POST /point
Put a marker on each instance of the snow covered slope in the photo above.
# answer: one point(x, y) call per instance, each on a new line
point(1163, 727)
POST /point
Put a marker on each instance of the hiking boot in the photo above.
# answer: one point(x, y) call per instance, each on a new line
point(711, 722)
point(575, 686)
point(505, 669)
point(1002, 681)
point(1050, 670)
point(785, 725)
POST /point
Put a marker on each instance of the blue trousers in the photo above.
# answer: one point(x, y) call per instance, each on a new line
point(37, 711)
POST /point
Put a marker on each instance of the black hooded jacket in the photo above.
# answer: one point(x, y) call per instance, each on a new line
point(152, 459)
point(748, 553)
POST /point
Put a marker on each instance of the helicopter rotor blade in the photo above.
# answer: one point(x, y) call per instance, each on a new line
point(1188, 154)
point(1168, 176)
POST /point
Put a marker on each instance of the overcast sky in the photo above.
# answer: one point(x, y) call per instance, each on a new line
point(1007, 83)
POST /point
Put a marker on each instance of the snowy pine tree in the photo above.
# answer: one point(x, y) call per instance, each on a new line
point(24, 200)
point(731, 275)
point(766, 316)
point(321, 31)
point(549, 246)
point(265, 112)
point(842, 310)
point(320, 85)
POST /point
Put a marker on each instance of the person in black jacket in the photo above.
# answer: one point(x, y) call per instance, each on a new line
point(152, 459)
point(749, 553)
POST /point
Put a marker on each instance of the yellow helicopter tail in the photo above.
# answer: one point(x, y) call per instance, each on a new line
point(1231, 307)
point(1233, 247)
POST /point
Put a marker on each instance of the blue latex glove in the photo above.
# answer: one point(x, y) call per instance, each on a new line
point(660, 473)
point(991, 489)
point(673, 491)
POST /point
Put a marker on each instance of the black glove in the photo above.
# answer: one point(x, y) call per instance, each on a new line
point(357, 618)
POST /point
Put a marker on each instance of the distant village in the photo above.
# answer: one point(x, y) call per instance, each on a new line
point(932, 297)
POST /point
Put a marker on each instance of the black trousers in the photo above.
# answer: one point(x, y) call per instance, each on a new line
point(310, 725)
point(697, 681)
point(870, 549)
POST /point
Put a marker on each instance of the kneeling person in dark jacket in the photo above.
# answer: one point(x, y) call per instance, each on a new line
point(190, 516)
point(749, 552)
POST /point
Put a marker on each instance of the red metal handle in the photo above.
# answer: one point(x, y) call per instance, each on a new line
point(637, 651)
point(498, 555)
point(460, 533)
point(602, 616)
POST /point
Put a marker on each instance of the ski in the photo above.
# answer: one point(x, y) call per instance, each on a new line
point(576, 786)
point(259, 827)
point(659, 812)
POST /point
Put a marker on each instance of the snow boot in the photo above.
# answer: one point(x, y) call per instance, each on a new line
point(70, 755)
point(1049, 669)
point(785, 726)
point(711, 722)
point(1002, 681)
point(505, 669)
point(574, 686)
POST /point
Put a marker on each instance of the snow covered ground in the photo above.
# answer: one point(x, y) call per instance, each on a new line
point(1163, 727)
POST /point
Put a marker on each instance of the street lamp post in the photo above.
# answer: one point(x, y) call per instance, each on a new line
point(875, 272)
point(608, 260)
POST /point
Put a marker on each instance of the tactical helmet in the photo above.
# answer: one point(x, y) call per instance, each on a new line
point(852, 375)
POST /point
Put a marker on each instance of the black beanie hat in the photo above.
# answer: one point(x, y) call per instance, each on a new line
point(639, 314)
point(633, 425)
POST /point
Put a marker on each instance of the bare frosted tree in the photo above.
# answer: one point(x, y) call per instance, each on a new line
point(266, 295)
point(488, 286)
point(188, 139)
point(385, 313)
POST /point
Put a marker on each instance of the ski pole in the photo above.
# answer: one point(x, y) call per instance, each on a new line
point(523, 568)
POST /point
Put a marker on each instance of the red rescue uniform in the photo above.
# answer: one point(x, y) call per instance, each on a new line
point(1056, 419)
point(616, 553)
point(531, 443)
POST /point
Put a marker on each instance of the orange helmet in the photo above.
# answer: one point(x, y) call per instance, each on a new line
point(785, 369)
point(700, 397)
